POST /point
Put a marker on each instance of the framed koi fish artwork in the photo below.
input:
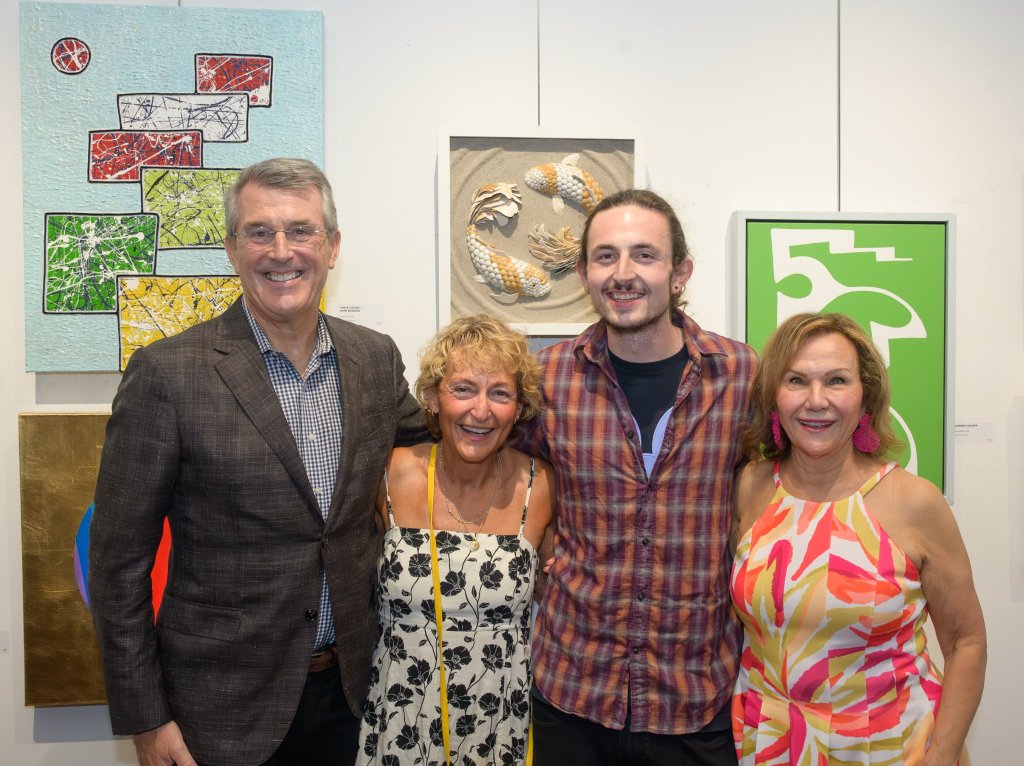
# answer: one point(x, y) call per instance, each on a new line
point(511, 208)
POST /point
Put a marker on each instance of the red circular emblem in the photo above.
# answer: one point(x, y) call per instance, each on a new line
point(70, 55)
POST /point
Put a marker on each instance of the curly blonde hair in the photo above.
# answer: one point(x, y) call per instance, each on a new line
point(485, 343)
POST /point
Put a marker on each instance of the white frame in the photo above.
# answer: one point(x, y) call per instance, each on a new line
point(443, 259)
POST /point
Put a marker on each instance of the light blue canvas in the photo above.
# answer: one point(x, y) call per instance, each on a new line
point(141, 50)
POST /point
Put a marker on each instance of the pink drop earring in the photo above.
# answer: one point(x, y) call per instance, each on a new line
point(865, 437)
point(777, 437)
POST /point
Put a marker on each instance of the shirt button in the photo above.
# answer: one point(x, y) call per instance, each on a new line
point(640, 597)
point(311, 437)
point(645, 541)
point(310, 615)
point(317, 490)
point(630, 435)
point(636, 650)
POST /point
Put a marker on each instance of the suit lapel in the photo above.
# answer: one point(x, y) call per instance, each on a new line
point(351, 358)
point(244, 372)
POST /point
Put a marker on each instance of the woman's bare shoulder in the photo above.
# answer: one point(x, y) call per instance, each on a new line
point(918, 499)
point(408, 463)
point(407, 457)
point(754, 488)
point(754, 479)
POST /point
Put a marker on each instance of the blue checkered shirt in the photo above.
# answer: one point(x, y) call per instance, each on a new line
point(312, 407)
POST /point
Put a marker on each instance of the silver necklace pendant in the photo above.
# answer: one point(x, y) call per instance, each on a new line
point(453, 511)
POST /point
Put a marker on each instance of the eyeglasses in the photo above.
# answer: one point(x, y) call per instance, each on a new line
point(464, 392)
point(259, 237)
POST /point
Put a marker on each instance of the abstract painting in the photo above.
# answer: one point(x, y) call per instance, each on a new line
point(60, 458)
point(86, 251)
point(60, 455)
point(136, 119)
point(189, 203)
point(149, 308)
point(889, 273)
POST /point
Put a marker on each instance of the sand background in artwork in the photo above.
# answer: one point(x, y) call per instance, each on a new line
point(477, 161)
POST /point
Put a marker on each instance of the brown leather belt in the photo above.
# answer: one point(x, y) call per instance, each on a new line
point(321, 661)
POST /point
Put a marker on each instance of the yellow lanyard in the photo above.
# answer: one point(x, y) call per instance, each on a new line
point(438, 616)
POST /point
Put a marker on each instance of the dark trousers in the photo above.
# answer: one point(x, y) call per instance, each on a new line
point(324, 732)
point(560, 739)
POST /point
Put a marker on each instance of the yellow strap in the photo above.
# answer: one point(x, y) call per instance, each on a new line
point(438, 616)
point(529, 739)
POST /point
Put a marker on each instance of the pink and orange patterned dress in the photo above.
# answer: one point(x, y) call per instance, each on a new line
point(835, 668)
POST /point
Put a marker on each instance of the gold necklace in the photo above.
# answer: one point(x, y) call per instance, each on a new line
point(454, 511)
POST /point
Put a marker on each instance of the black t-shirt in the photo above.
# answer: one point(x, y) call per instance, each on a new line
point(650, 389)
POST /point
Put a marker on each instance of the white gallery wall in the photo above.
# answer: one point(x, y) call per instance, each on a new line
point(881, 106)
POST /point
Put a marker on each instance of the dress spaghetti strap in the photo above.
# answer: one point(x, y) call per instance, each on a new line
point(529, 489)
point(387, 500)
point(877, 477)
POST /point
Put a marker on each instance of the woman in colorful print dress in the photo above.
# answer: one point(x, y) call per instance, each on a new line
point(491, 507)
point(840, 555)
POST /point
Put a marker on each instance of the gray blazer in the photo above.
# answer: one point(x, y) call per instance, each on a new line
point(197, 436)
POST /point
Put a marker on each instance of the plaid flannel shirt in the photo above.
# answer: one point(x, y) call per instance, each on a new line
point(637, 613)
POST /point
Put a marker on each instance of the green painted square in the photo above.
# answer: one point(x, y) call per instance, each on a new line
point(84, 254)
point(190, 203)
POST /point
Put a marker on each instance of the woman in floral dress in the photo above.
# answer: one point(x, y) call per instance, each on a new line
point(492, 506)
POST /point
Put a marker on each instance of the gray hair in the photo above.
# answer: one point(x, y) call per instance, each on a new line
point(281, 173)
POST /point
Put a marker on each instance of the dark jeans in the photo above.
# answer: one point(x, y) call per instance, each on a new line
point(560, 739)
point(324, 732)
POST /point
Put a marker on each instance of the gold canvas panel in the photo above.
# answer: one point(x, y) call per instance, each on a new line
point(60, 457)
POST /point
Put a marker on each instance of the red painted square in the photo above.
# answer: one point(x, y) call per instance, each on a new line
point(117, 155)
point(229, 73)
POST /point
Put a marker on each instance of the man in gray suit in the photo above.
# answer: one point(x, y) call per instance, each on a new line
point(262, 436)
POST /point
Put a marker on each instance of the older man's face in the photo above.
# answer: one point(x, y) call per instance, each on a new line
point(282, 280)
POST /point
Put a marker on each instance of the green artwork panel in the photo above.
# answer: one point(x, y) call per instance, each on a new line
point(84, 254)
point(190, 203)
point(889, 276)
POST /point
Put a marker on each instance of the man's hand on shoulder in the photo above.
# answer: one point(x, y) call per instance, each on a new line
point(162, 746)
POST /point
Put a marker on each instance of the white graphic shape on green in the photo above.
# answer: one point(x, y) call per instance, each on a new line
point(911, 461)
point(825, 288)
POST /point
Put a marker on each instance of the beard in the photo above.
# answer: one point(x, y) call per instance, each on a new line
point(652, 311)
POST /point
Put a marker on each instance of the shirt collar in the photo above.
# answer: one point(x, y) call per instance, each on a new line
point(592, 343)
point(324, 344)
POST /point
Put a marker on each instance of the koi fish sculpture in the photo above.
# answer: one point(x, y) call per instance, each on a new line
point(564, 181)
point(499, 203)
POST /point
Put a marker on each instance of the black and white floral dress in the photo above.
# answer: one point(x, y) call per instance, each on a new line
point(485, 597)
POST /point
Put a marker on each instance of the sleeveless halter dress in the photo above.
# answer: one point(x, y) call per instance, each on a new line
point(485, 596)
point(835, 668)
